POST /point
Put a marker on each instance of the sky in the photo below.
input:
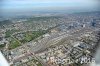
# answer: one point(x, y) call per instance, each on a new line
point(29, 6)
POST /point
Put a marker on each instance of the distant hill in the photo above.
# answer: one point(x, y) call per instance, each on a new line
point(5, 22)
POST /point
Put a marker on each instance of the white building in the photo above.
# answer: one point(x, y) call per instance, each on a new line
point(3, 61)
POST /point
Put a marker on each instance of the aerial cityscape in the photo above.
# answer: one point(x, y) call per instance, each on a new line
point(49, 37)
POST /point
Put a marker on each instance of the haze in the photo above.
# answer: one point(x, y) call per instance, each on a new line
point(30, 6)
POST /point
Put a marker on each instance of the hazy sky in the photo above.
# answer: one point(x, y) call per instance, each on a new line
point(10, 6)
